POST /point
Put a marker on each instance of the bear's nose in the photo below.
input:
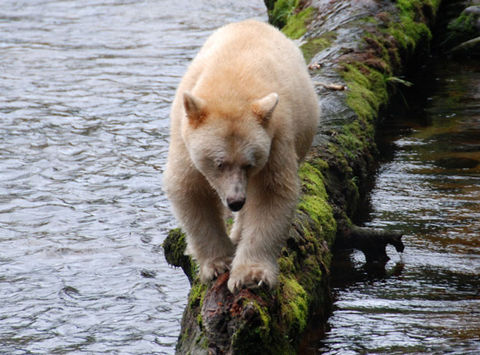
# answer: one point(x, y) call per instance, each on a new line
point(235, 204)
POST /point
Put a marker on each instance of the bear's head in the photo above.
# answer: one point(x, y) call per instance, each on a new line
point(228, 144)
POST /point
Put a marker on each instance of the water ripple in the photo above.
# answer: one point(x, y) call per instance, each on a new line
point(85, 90)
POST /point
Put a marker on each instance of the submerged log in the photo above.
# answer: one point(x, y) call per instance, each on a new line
point(360, 46)
point(372, 242)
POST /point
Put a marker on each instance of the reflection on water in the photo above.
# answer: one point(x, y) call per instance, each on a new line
point(85, 88)
point(429, 299)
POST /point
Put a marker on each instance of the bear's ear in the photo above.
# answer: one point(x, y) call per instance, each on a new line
point(194, 107)
point(263, 108)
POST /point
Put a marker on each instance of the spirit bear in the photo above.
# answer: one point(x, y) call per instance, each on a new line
point(244, 115)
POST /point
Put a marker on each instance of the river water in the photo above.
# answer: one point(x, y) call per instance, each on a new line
point(85, 89)
point(428, 301)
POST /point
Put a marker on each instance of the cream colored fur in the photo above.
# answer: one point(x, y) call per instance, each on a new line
point(243, 116)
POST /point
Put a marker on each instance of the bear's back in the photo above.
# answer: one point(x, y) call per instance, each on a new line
point(251, 48)
point(245, 61)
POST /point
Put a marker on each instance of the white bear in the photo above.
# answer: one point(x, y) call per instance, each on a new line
point(243, 116)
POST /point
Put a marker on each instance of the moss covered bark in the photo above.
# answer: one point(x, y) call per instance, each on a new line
point(462, 38)
point(364, 45)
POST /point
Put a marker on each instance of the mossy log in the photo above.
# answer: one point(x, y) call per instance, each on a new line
point(462, 35)
point(363, 46)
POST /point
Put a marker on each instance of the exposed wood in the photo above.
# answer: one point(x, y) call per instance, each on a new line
point(330, 86)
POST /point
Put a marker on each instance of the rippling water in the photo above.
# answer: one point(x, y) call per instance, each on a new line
point(429, 299)
point(85, 89)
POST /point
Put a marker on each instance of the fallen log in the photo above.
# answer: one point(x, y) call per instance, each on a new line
point(371, 241)
point(359, 45)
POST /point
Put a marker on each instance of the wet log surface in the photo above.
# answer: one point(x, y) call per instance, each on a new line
point(356, 50)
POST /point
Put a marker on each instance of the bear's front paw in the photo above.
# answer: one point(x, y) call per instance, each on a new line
point(252, 275)
point(211, 268)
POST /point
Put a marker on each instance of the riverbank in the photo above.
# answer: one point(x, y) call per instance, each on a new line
point(364, 47)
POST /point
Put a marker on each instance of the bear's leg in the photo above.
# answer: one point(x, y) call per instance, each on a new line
point(267, 216)
point(200, 214)
point(236, 232)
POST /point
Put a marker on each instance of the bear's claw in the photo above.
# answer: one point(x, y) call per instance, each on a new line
point(252, 276)
point(211, 268)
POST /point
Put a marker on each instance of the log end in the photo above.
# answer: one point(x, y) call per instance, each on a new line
point(174, 247)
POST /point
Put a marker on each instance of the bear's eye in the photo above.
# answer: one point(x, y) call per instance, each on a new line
point(220, 165)
point(247, 166)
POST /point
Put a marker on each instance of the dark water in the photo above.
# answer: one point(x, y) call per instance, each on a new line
point(85, 89)
point(429, 188)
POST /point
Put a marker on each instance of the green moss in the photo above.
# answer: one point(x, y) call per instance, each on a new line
point(368, 78)
point(284, 14)
point(314, 201)
point(417, 9)
point(412, 31)
point(411, 34)
point(202, 342)
point(355, 138)
point(367, 89)
point(312, 180)
point(314, 276)
point(339, 156)
point(263, 329)
point(350, 142)
point(286, 264)
point(197, 293)
point(254, 335)
point(280, 11)
point(294, 306)
point(321, 212)
point(464, 24)
point(313, 46)
point(353, 144)
point(296, 25)
point(461, 29)
point(320, 164)
point(174, 247)
point(385, 56)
